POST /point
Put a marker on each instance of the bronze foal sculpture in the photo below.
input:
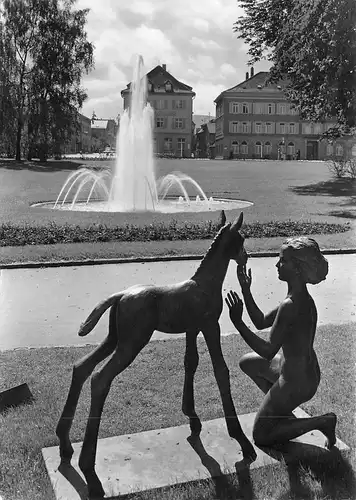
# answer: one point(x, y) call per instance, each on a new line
point(191, 306)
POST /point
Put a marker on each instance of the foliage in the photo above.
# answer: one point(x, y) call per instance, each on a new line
point(26, 234)
point(312, 46)
point(43, 54)
point(342, 167)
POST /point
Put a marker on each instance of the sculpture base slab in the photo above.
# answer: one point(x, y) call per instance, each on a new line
point(164, 457)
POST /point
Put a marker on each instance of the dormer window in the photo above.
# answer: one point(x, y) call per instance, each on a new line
point(168, 86)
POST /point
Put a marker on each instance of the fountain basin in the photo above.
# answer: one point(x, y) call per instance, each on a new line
point(168, 206)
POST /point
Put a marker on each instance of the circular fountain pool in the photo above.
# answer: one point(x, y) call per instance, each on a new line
point(168, 205)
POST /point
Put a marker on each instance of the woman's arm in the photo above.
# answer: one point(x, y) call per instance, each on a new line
point(265, 348)
point(258, 318)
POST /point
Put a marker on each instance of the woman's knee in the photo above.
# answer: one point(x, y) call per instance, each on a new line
point(250, 363)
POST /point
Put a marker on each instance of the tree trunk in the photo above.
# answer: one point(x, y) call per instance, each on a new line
point(18, 140)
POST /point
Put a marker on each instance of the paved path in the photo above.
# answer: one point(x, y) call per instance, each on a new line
point(44, 307)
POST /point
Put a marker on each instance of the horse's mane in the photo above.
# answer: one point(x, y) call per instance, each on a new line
point(212, 248)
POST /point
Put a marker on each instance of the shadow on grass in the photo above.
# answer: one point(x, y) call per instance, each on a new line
point(333, 187)
point(331, 471)
point(37, 166)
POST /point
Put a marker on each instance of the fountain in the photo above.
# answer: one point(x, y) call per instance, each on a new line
point(132, 186)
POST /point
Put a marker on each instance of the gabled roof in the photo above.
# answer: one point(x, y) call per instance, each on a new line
point(159, 76)
point(199, 120)
point(99, 124)
point(258, 81)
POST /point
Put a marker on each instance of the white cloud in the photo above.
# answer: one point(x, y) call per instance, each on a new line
point(194, 39)
point(205, 44)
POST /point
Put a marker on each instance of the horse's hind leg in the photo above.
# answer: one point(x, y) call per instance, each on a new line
point(191, 360)
point(222, 376)
point(81, 371)
point(100, 386)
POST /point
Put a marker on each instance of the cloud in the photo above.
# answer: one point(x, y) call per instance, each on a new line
point(194, 39)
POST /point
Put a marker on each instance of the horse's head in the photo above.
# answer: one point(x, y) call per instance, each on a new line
point(235, 247)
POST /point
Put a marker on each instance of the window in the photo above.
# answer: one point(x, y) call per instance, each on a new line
point(258, 108)
point(307, 129)
point(167, 144)
point(245, 127)
point(292, 128)
point(339, 150)
point(234, 127)
point(269, 129)
point(258, 148)
point(150, 87)
point(235, 147)
point(154, 145)
point(270, 109)
point(179, 104)
point(168, 86)
point(244, 148)
point(181, 145)
point(291, 149)
point(282, 109)
point(161, 104)
point(268, 148)
point(317, 128)
point(178, 122)
point(258, 128)
point(293, 110)
point(245, 108)
point(159, 122)
point(282, 128)
point(234, 107)
point(329, 149)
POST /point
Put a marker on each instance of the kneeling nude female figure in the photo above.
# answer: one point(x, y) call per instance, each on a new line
point(292, 377)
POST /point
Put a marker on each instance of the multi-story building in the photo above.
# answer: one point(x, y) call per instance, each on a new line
point(172, 102)
point(205, 140)
point(255, 120)
point(103, 133)
point(80, 139)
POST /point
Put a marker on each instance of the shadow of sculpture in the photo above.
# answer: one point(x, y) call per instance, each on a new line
point(224, 484)
point(74, 478)
point(329, 469)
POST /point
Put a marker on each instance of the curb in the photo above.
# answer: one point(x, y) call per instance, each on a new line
point(142, 260)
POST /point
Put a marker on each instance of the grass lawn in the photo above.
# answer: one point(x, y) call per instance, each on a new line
point(148, 396)
point(280, 191)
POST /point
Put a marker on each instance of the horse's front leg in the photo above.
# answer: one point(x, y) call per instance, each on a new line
point(191, 360)
point(222, 376)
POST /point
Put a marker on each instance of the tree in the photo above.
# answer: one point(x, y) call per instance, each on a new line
point(51, 54)
point(312, 45)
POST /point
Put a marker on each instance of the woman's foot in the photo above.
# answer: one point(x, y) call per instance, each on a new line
point(328, 429)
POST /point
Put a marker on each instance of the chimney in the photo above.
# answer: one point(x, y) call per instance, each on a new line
point(252, 71)
point(247, 75)
point(164, 67)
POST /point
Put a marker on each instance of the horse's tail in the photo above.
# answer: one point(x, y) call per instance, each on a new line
point(87, 326)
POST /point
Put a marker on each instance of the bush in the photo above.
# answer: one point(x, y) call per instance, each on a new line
point(52, 233)
point(337, 166)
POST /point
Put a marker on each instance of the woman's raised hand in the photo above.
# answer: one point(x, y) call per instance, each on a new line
point(245, 278)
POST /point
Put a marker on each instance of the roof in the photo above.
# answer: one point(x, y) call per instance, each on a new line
point(199, 120)
point(258, 81)
point(99, 124)
point(210, 126)
point(159, 76)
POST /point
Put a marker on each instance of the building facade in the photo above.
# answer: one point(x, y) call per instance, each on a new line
point(254, 120)
point(80, 139)
point(205, 141)
point(172, 102)
point(103, 134)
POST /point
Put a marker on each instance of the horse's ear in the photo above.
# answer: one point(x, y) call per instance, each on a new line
point(222, 219)
point(238, 223)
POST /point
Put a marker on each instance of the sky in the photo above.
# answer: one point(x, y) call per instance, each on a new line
point(195, 39)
